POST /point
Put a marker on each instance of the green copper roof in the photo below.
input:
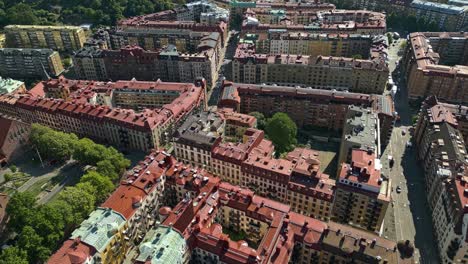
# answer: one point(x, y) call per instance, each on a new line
point(235, 3)
point(9, 85)
point(99, 229)
point(163, 245)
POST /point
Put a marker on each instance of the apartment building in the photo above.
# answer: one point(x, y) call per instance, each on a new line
point(100, 238)
point(124, 218)
point(440, 146)
point(426, 74)
point(362, 195)
point(10, 86)
point(442, 152)
point(132, 94)
point(315, 44)
point(14, 137)
point(321, 72)
point(157, 30)
point(167, 64)
point(293, 180)
point(192, 229)
point(361, 130)
point(461, 114)
point(448, 15)
point(274, 234)
point(60, 38)
point(307, 106)
point(164, 244)
point(196, 137)
point(240, 7)
point(236, 124)
point(121, 127)
point(30, 63)
point(324, 21)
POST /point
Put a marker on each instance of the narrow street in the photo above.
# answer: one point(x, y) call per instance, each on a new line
point(409, 217)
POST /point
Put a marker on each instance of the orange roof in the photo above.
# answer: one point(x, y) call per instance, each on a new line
point(122, 200)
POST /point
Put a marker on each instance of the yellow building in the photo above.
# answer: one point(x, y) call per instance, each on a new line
point(61, 38)
point(103, 230)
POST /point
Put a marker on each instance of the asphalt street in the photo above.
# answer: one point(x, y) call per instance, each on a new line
point(409, 217)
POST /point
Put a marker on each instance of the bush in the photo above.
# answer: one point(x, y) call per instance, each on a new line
point(13, 168)
point(8, 177)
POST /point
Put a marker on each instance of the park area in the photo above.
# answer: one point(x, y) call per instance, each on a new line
point(53, 187)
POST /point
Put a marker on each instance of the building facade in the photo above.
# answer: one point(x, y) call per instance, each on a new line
point(82, 114)
point(30, 63)
point(60, 38)
point(322, 72)
point(168, 64)
point(425, 65)
point(362, 195)
point(309, 107)
point(442, 153)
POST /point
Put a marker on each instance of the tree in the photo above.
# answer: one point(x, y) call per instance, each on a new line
point(282, 130)
point(13, 168)
point(8, 177)
point(21, 14)
point(66, 215)
point(261, 120)
point(81, 203)
point(357, 56)
point(32, 243)
point(13, 255)
point(50, 225)
point(21, 210)
point(103, 185)
point(106, 168)
point(90, 153)
point(52, 144)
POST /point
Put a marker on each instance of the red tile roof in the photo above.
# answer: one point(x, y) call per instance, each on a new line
point(140, 181)
point(72, 252)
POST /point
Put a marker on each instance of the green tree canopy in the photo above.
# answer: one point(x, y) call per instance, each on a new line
point(13, 255)
point(261, 120)
point(81, 203)
point(21, 14)
point(21, 210)
point(99, 12)
point(30, 241)
point(52, 144)
point(103, 185)
point(282, 130)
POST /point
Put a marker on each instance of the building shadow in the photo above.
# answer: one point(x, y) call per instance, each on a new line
point(415, 183)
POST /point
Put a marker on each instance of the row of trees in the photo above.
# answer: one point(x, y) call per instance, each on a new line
point(280, 129)
point(62, 146)
point(42, 228)
point(102, 12)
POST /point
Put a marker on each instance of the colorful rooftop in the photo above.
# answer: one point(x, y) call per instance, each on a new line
point(162, 245)
point(100, 227)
